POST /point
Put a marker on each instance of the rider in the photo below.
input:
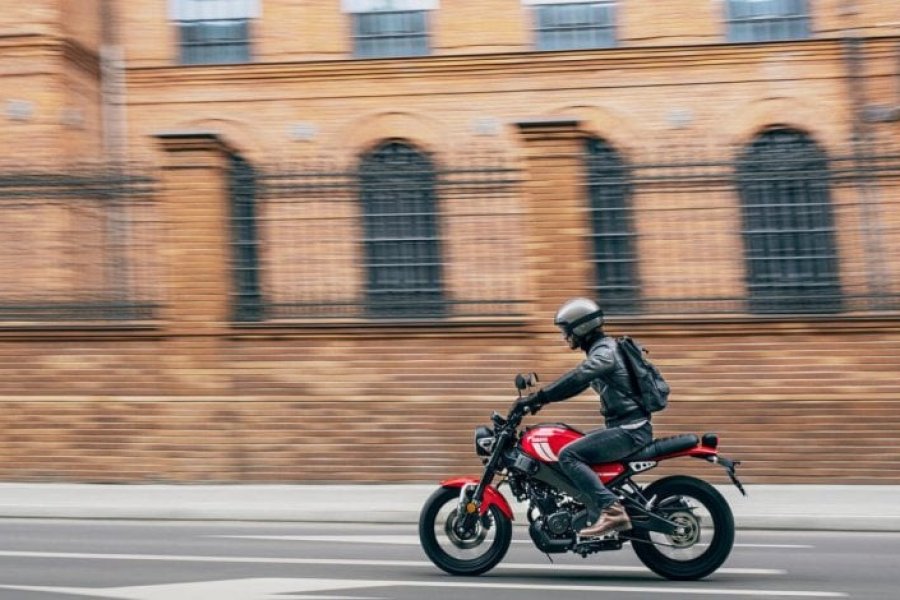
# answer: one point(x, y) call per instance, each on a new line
point(628, 426)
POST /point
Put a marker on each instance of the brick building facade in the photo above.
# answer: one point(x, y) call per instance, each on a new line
point(351, 222)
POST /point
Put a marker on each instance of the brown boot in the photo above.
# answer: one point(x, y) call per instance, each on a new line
point(613, 518)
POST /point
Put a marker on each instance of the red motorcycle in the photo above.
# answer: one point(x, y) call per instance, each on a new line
point(682, 527)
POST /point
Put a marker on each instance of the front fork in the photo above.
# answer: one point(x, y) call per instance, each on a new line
point(469, 505)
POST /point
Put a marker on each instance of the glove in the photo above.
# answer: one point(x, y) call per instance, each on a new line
point(532, 403)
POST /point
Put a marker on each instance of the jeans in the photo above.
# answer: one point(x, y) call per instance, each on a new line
point(601, 446)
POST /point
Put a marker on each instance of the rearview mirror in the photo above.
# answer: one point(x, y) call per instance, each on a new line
point(524, 382)
point(521, 382)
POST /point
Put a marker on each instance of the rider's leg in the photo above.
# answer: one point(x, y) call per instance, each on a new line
point(604, 445)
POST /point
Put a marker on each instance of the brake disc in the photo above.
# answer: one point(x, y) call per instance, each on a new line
point(479, 533)
point(689, 532)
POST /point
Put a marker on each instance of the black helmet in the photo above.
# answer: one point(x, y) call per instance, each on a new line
point(578, 318)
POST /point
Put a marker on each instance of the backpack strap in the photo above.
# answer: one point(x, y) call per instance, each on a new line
point(632, 379)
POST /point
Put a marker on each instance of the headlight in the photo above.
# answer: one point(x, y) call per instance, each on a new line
point(484, 441)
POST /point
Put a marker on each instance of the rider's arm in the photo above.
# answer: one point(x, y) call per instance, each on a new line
point(599, 362)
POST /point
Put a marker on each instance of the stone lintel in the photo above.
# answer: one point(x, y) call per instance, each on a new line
point(549, 125)
point(192, 140)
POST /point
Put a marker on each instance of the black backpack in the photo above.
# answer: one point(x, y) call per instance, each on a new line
point(646, 381)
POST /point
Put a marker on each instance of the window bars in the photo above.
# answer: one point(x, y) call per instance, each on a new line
point(78, 245)
point(788, 228)
point(242, 190)
point(214, 31)
point(775, 227)
point(386, 34)
point(767, 20)
point(400, 235)
point(575, 26)
point(609, 188)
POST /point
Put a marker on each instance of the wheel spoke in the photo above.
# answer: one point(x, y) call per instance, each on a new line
point(462, 553)
point(470, 547)
point(705, 530)
point(696, 530)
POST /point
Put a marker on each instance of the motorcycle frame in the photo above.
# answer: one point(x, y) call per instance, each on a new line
point(486, 495)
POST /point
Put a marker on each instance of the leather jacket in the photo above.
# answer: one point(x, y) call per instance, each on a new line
point(604, 371)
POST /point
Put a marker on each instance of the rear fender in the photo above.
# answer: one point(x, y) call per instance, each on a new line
point(492, 497)
point(712, 455)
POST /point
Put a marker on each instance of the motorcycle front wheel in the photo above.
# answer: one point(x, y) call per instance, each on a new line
point(473, 554)
point(706, 535)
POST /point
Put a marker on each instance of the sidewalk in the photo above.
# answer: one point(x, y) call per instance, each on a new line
point(812, 507)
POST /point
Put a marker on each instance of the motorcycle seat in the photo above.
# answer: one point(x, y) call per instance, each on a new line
point(663, 446)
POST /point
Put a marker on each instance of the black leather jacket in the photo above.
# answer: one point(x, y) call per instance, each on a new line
point(604, 371)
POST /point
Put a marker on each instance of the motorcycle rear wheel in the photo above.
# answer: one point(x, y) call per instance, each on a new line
point(707, 536)
point(477, 553)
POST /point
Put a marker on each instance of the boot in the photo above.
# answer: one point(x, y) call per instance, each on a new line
point(613, 518)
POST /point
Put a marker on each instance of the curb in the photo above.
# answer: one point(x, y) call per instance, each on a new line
point(811, 508)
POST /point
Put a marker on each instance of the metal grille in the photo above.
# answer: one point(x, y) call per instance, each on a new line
point(242, 189)
point(78, 245)
point(767, 20)
point(612, 228)
point(403, 256)
point(774, 227)
point(788, 229)
point(575, 26)
point(383, 34)
point(399, 235)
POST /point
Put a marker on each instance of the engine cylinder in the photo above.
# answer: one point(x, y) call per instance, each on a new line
point(539, 534)
point(559, 523)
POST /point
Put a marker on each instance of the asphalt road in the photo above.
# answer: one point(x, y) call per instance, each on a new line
point(73, 560)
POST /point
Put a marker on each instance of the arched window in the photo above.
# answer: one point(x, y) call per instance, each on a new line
point(245, 250)
point(609, 190)
point(788, 228)
point(402, 247)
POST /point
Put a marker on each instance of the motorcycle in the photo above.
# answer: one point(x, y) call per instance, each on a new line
point(681, 527)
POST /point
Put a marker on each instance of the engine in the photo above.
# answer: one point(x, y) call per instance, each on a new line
point(552, 517)
point(558, 523)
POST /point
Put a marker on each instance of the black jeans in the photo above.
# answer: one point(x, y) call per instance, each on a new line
point(600, 446)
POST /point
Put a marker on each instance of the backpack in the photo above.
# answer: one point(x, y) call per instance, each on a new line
point(646, 381)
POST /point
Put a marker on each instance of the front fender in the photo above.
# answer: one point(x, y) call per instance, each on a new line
point(492, 497)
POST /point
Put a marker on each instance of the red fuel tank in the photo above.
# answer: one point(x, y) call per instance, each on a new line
point(544, 442)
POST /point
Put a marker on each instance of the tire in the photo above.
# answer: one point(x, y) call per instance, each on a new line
point(693, 559)
point(440, 544)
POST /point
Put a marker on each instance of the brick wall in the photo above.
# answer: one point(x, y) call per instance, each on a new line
point(50, 70)
point(192, 396)
point(400, 406)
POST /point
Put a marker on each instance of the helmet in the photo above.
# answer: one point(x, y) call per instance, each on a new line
point(578, 318)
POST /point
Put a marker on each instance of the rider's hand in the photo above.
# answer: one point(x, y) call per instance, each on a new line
point(531, 403)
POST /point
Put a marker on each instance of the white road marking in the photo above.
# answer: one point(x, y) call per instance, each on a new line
point(412, 540)
point(780, 546)
point(358, 562)
point(387, 540)
point(270, 589)
point(233, 589)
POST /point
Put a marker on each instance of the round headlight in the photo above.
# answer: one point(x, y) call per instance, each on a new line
point(484, 441)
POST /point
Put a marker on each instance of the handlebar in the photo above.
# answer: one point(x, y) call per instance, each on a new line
point(515, 415)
